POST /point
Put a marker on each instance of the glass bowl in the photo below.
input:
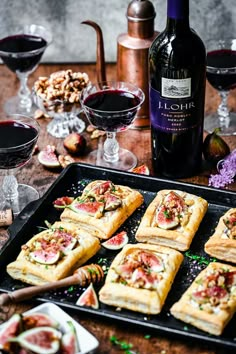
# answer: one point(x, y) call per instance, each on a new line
point(65, 116)
point(59, 97)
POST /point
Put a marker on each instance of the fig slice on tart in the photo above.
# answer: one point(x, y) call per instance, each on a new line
point(45, 256)
point(165, 218)
point(92, 208)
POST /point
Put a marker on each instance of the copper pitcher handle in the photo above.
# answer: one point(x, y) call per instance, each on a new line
point(100, 64)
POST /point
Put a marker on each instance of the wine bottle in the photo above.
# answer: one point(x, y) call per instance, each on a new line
point(177, 64)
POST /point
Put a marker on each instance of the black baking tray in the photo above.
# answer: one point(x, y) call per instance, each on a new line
point(71, 182)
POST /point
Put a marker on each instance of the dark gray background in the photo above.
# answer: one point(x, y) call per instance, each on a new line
point(74, 42)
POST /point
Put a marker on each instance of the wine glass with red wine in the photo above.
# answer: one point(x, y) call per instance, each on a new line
point(221, 74)
point(21, 49)
point(18, 136)
point(112, 107)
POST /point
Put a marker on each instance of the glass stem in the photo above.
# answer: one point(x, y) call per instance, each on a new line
point(24, 91)
point(10, 191)
point(111, 148)
point(223, 111)
point(10, 187)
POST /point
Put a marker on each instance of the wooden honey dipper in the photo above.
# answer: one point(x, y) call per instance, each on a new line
point(82, 276)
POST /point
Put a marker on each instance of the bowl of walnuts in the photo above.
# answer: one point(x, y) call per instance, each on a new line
point(58, 96)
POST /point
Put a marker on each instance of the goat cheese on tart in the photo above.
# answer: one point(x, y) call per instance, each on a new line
point(222, 244)
point(210, 301)
point(140, 278)
point(172, 219)
point(102, 208)
point(53, 254)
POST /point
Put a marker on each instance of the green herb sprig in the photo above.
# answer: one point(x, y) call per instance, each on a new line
point(123, 345)
point(199, 259)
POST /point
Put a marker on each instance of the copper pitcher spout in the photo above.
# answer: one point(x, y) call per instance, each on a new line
point(100, 62)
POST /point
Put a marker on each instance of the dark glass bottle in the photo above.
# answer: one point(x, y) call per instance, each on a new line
point(177, 61)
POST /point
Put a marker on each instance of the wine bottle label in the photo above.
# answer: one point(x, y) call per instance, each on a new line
point(173, 114)
point(172, 88)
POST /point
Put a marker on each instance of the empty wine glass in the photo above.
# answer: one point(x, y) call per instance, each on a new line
point(18, 136)
point(21, 49)
point(221, 74)
point(112, 107)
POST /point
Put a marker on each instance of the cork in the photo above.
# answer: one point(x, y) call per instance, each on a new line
point(6, 217)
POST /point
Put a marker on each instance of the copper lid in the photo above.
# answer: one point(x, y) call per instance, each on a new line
point(140, 10)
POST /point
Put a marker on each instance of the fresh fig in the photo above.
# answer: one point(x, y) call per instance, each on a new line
point(45, 257)
point(142, 169)
point(10, 329)
point(214, 147)
point(75, 144)
point(38, 319)
point(48, 157)
point(116, 242)
point(40, 340)
point(69, 341)
point(88, 298)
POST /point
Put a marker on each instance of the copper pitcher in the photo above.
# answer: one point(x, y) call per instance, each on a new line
point(132, 53)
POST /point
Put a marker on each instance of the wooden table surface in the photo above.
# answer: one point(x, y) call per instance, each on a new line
point(41, 178)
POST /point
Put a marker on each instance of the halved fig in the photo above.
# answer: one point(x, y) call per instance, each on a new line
point(40, 340)
point(116, 242)
point(142, 169)
point(69, 341)
point(44, 256)
point(48, 157)
point(8, 330)
point(165, 218)
point(91, 208)
point(62, 202)
point(38, 319)
point(88, 298)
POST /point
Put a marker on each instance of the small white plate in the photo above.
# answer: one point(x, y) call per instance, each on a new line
point(87, 341)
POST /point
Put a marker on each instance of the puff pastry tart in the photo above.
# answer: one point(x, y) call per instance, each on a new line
point(222, 244)
point(140, 278)
point(172, 219)
point(210, 301)
point(53, 254)
point(102, 208)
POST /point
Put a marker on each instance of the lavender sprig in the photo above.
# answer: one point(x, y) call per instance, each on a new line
point(227, 171)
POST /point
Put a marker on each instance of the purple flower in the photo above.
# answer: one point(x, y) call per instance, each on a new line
point(227, 171)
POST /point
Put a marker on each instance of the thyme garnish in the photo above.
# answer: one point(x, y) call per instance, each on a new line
point(123, 345)
point(199, 259)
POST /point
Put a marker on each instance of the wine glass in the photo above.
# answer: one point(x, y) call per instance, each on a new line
point(221, 74)
point(21, 49)
point(18, 136)
point(112, 107)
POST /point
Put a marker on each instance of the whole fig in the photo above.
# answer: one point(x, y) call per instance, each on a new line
point(214, 147)
point(75, 144)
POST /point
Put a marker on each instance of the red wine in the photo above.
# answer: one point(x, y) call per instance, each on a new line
point(17, 141)
point(116, 109)
point(223, 58)
point(26, 51)
point(177, 59)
